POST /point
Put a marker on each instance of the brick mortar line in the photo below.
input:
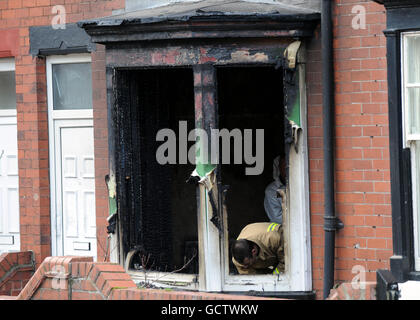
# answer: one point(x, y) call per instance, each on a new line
point(43, 270)
point(14, 269)
point(100, 291)
point(88, 278)
point(70, 282)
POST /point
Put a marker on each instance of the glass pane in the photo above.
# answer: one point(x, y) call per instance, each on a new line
point(72, 86)
point(417, 196)
point(413, 59)
point(413, 103)
point(7, 90)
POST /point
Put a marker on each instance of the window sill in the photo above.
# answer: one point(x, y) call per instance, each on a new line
point(296, 295)
point(414, 275)
point(156, 279)
point(189, 282)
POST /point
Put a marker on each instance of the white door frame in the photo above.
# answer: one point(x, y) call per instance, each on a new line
point(57, 248)
point(9, 117)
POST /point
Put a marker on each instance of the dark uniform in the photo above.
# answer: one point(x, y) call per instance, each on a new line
point(268, 236)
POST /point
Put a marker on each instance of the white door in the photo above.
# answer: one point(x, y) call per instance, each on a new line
point(73, 215)
point(9, 178)
point(75, 172)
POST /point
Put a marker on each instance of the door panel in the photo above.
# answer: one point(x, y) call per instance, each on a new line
point(75, 182)
point(9, 184)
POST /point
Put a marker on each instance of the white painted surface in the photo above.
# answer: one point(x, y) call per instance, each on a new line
point(296, 221)
point(9, 178)
point(72, 175)
point(410, 290)
point(7, 64)
point(411, 139)
point(210, 272)
point(74, 152)
point(9, 184)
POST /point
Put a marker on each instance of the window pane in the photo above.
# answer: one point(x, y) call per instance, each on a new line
point(413, 103)
point(7, 90)
point(413, 59)
point(417, 196)
point(72, 86)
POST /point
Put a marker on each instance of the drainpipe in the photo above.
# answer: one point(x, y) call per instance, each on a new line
point(331, 223)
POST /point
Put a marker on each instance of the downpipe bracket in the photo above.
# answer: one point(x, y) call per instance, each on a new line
point(332, 223)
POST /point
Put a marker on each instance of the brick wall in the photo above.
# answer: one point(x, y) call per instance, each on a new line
point(358, 291)
point(362, 151)
point(100, 127)
point(79, 278)
point(314, 92)
point(16, 268)
point(362, 159)
point(35, 229)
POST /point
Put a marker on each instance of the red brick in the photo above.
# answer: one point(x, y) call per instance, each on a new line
point(87, 285)
point(36, 12)
point(106, 276)
point(82, 295)
point(109, 285)
point(49, 294)
point(377, 243)
point(360, 56)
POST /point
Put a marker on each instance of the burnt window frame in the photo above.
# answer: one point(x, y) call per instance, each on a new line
point(304, 283)
point(123, 163)
point(286, 282)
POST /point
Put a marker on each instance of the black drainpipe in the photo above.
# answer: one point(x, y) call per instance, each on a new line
point(331, 223)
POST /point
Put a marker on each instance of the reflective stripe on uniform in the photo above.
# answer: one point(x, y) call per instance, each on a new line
point(272, 226)
point(276, 271)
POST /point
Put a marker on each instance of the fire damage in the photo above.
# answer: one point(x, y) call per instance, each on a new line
point(220, 68)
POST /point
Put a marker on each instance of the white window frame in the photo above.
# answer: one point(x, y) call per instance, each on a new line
point(57, 237)
point(409, 142)
point(7, 64)
point(214, 275)
point(65, 114)
point(296, 222)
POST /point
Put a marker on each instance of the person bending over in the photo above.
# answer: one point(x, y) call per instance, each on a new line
point(259, 249)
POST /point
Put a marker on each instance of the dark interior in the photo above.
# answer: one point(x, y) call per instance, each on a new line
point(163, 220)
point(168, 214)
point(250, 98)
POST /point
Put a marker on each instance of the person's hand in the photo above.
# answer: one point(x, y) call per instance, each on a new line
point(282, 194)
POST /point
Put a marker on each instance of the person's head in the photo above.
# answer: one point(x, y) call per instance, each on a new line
point(245, 252)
